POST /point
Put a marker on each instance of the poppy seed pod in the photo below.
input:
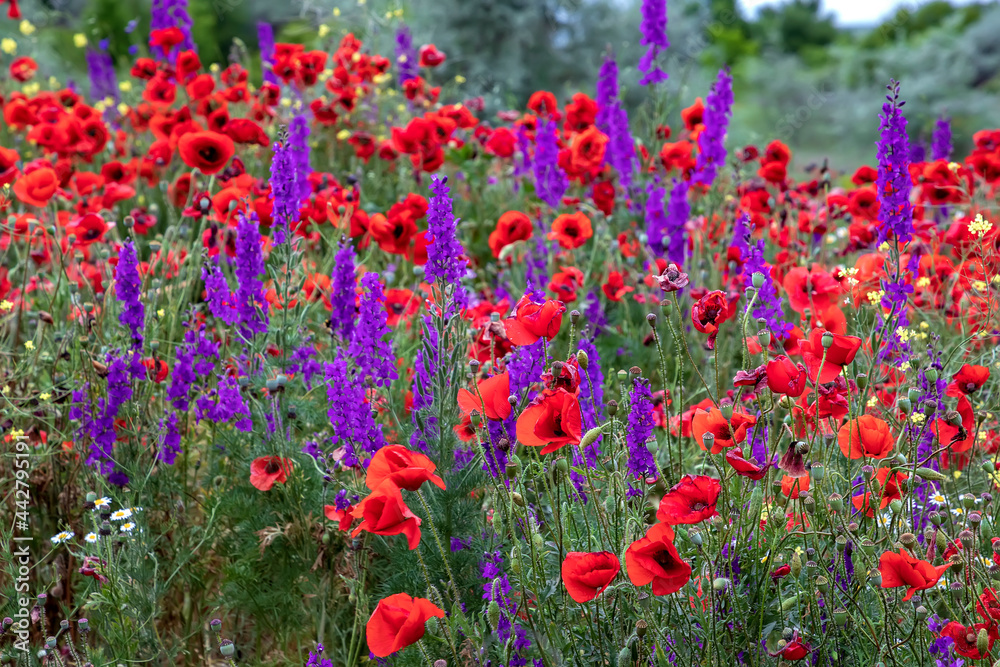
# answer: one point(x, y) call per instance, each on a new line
point(823, 584)
point(861, 380)
point(574, 317)
point(968, 500)
point(966, 538)
point(836, 502)
point(227, 648)
point(612, 408)
point(640, 628)
point(896, 506)
point(651, 320)
point(764, 338)
point(817, 471)
point(758, 279)
point(622, 375)
point(904, 406)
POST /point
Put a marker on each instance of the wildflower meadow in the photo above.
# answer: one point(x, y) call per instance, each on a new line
point(310, 359)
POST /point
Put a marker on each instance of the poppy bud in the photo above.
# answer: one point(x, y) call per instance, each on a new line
point(941, 541)
point(796, 564)
point(836, 502)
point(988, 467)
point(517, 498)
point(624, 658)
point(562, 465)
point(582, 360)
point(930, 474)
point(896, 506)
point(720, 584)
point(986, 530)
point(493, 615)
point(537, 540)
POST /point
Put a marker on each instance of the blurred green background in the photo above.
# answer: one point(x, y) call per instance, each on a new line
point(799, 77)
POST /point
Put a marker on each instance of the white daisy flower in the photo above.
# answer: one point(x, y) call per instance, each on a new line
point(62, 537)
point(958, 511)
point(127, 527)
point(123, 513)
point(102, 504)
point(90, 538)
point(938, 498)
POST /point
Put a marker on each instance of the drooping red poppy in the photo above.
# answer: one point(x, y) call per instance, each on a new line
point(840, 353)
point(902, 569)
point(968, 379)
point(966, 638)
point(586, 575)
point(725, 433)
point(571, 230)
point(511, 227)
point(430, 56)
point(866, 436)
point(815, 290)
point(961, 438)
point(708, 314)
point(784, 376)
point(37, 186)
point(616, 288)
point(397, 622)
point(166, 38)
point(156, 369)
point(889, 484)
point(794, 650)
point(383, 512)
point(206, 151)
point(404, 468)
point(266, 471)
point(742, 466)
point(532, 321)
point(691, 500)
point(344, 518)
point(23, 69)
point(552, 421)
point(495, 391)
point(654, 559)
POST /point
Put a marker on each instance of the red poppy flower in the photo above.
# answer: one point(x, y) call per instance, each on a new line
point(397, 622)
point(501, 142)
point(616, 288)
point(344, 518)
point(966, 638)
point(654, 558)
point(902, 569)
point(725, 433)
point(960, 438)
point(400, 304)
point(988, 605)
point(383, 512)
point(794, 650)
point(889, 482)
point(87, 229)
point(815, 290)
point(552, 421)
point(784, 376)
point(265, 471)
point(604, 197)
point(245, 131)
point(206, 151)
point(430, 56)
point(37, 186)
point(512, 226)
point(572, 230)
point(407, 470)
point(156, 369)
point(839, 354)
point(744, 467)
point(781, 572)
point(968, 379)
point(23, 68)
point(586, 575)
point(586, 152)
point(709, 313)
point(866, 436)
point(691, 500)
point(532, 321)
point(693, 114)
point(566, 282)
point(543, 103)
point(496, 398)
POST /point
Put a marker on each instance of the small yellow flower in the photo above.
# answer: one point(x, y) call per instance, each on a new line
point(957, 474)
point(979, 286)
point(401, 108)
point(45, 396)
point(125, 86)
point(53, 82)
point(100, 106)
point(918, 418)
point(460, 79)
point(875, 296)
point(26, 27)
point(398, 13)
point(356, 57)
point(286, 102)
point(160, 313)
point(122, 109)
point(905, 366)
point(980, 226)
point(79, 40)
point(343, 135)
point(884, 246)
point(29, 345)
point(923, 281)
point(6, 305)
point(336, 11)
point(324, 30)
point(8, 46)
point(872, 402)
point(30, 89)
point(17, 433)
point(924, 325)
point(214, 68)
point(954, 166)
point(381, 78)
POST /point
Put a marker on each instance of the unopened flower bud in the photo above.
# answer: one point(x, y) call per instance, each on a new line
point(517, 498)
point(720, 584)
point(493, 614)
point(983, 641)
point(582, 360)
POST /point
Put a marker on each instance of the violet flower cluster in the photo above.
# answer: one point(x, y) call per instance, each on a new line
point(224, 404)
point(446, 263)
point(712, 140)
point(102, 428)
point(251, 304)
point(128, 286)
point(101, 71)
point(285, 203)
point(550, 180)
point(641, 464)
point(895, 215)
point(265, 43)
point(343, 292)
point(768, 306)
point(372, 354)
point(407, 63)
point(656, 218)
point(654, 35)
point(169, 14)
point(354, 428)
point(941, 139)
point(612, 120)
point(678, 212)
